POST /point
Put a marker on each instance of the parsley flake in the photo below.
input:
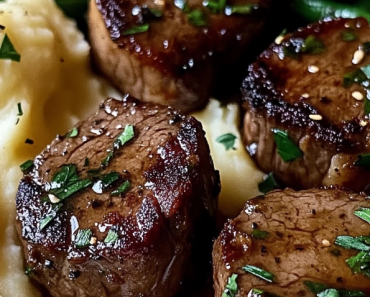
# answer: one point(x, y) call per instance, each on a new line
point(239, 9)
point(329, 293)
point(50, 215)
point(26, 166)
point(111, 237)
point(231, 288)
point(7, 50)
point(72, 133)
point(349, 242)
point(259, 234)
point(348, 35)
point(136, 29)
point(363, 213)
point(121, 189)
point(268, 184)
point(83, 238)
point(197, 18)
point(286, 148)
point(256, 271)
point(228, 140)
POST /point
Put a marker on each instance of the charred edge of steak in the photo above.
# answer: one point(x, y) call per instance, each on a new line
point(261, 96)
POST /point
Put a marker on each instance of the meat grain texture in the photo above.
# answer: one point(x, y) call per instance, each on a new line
point(310, 85)
point(160, 227)
point(174, 60)
point(299, 246)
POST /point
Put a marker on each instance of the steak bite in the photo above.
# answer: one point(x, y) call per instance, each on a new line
point(306, 106)
point(122, 205)
point(296, 244)
point(168, 51)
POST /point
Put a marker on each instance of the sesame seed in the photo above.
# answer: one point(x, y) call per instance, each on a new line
point(93, 240)
point(363, 123)
point(315, 117)
point(313, 69)
point(325, 242)
point(358, 56)
point(305, 95)
point(53, 198)
point(279, 39)
point(357, 95)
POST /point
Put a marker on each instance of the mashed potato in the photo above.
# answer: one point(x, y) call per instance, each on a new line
point(55, 87)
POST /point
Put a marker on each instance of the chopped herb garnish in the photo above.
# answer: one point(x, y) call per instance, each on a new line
point(29, 141)
point(239, 9)
point(315, 287)
point(197, 18)
point(363, 213)
point(268, 184)
point(231, 288)
point(87, 162)
point(360, 263)
point(109, 178)
point(215, 6)
point(349, 242)
point(286, 148)
point(228, 140)
point(348, 35)
point(72, 133)
point(111, 237)
point(66, 182)
point(259, 234)
point(121, 189)
point(155, 12)
point(7, 50)
point(26, 166)
point(263, 274)
point(68, 190)
point(94, 172)
point(136, 29)
point(20, 111)
point(125, 136)
point(49, 216)
point(356, 76)
point(366, 70)
point(106, 161)
point(312, 45)
point(83, 238)
point(329, 293)
point(28, 271)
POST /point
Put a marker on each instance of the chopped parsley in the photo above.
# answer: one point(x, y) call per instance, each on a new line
point(83, 238)
point(215, 6)
point(363, 213)
point(20, 111)
point(136, 29)
point(239, 9)
point(349, 242)
point(7, 50)
point(72, 133)
point(231, 288)
point(286, 148)
point(50, 215)
point(268, 184)
point(328, 293)
point(259, 234)
point(197, 18)
point(256, 271)
point(348, 35)
point(322, 290)
point(121, 189)
point(360, 263)
point(312, 45)
point(107, 159)
point(366, 47)
point(26, 166)
point(228, 140)
point(111, 237)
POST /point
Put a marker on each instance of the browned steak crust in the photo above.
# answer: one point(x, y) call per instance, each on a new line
point(299, 246)
point(302, 90)
point(158, 221)
point(174, 61)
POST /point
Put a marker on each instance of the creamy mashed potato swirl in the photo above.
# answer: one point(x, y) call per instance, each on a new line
point(55, 87)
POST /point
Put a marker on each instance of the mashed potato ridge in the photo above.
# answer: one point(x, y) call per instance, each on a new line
point(55, 86)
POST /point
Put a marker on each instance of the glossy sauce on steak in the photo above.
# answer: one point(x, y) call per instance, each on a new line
point(119, 206)
point(312, 85)
point(167, 51)
point(294, 236)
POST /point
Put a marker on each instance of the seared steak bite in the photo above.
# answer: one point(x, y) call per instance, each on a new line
point(313, 88)
point(167, 51)
point(118, 206)
point(290, 243)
